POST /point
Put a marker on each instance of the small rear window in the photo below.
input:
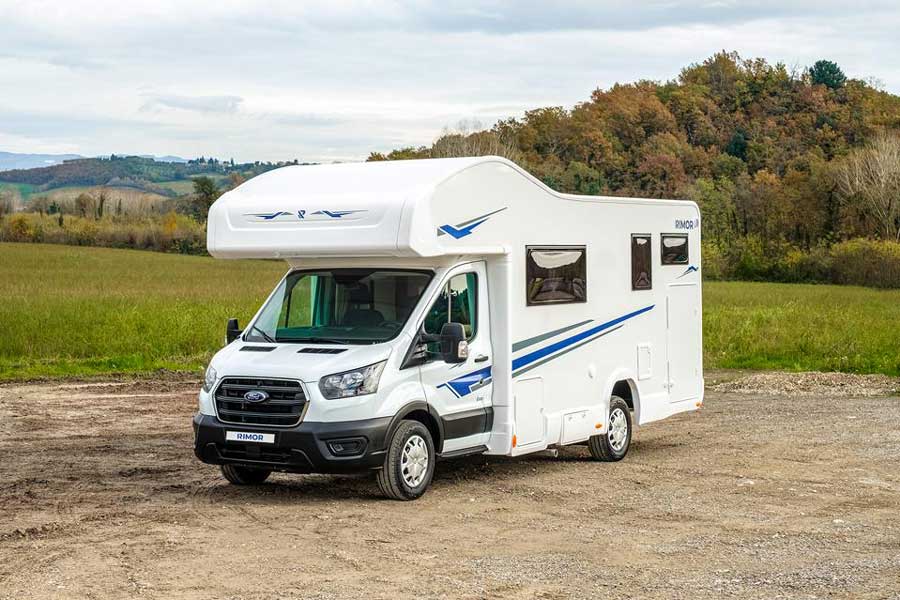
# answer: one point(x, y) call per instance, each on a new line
point(675, 249)
point(641, 269)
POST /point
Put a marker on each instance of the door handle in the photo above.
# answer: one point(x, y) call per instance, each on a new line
point(481, 358)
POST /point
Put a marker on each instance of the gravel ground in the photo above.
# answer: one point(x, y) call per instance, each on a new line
point(806, 384)
point(787, 491)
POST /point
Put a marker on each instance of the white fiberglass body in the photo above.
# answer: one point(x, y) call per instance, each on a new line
point(560, 316)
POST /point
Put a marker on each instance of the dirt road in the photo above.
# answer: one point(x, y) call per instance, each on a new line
point(755, 496)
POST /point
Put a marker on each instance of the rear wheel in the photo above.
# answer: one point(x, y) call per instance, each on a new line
point(409, 462)
point(244, 475)
point(613, 445)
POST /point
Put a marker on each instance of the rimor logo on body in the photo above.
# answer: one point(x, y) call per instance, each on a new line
point(687, 224)
point(304, 215)
point(249, 436)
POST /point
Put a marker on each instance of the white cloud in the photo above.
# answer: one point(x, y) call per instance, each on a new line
point(303, 80)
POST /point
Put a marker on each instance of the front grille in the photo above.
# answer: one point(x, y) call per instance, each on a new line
point(254, 452)
point(283, 407)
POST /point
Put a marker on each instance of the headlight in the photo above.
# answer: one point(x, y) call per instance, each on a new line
point(357, 382)
point(209, 380)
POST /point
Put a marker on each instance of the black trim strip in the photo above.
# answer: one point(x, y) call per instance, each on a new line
point(468, 422)
point(464, 452)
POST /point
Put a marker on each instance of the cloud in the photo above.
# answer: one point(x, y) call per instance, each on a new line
point(204, 104)
point(323, 81)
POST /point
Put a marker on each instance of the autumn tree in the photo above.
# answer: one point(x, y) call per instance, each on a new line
point(870, 177)
point(205, 193)
point(827, 73)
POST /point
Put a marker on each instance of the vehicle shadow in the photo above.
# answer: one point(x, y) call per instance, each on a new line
point(287, 488)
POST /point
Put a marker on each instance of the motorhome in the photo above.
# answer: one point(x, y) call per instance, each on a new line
point(447, 307)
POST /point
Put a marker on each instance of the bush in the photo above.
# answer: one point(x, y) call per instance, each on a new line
point(866, 262)
point(164, 233)
point(801, 266)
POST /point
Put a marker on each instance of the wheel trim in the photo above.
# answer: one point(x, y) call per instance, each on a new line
point(618, 430)
point(414, 461)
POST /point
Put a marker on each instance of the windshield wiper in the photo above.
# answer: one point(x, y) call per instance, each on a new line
point(265, 335)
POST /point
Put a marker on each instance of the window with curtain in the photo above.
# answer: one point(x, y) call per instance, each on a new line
point(556, 275)
point(641, 269)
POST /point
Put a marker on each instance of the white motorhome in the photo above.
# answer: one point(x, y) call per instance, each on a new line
point(441, 308)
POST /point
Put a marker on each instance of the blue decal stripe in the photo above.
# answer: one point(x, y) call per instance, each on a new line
point(462, 386)
point(527, 359)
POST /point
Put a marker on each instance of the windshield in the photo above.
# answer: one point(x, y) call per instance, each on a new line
point(341, 306)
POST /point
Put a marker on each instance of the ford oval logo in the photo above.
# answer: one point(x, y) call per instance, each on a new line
point(256, 396)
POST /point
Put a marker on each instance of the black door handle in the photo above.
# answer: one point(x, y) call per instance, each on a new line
point(481, 358)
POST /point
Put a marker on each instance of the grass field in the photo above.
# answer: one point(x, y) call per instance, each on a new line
point(80, 311)
point(24, 189)
point(68, 310)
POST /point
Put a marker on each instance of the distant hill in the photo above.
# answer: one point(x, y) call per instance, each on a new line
point(166, 158)
point(129, 171)
point(12, 160)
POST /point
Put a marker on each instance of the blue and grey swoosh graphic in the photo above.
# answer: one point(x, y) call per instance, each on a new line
point(461, 230)
point(466, 384)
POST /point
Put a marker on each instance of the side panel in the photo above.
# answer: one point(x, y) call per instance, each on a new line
point(529, 402)
point(580, 349)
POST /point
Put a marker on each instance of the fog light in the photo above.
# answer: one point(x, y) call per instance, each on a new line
point(348, 447)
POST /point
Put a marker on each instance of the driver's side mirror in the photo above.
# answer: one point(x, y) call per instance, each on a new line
point(232, 331)
point(454, 347)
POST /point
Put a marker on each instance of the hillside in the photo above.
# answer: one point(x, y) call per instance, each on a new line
point(777, 159)
point(13, 160)
point(137, 172)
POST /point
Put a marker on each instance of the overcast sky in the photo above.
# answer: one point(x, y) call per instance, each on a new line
point(335, 80)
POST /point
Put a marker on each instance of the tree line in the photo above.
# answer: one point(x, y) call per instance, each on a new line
point(782, 162)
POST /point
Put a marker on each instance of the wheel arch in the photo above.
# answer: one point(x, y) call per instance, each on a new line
point(424, 413)
point(623, 383)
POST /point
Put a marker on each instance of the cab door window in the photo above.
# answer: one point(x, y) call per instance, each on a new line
point(457, 303)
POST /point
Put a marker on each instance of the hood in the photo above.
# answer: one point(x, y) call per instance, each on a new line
point(306, 362)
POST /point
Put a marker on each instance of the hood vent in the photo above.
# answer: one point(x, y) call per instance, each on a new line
point(321, 350)
point(257, 348)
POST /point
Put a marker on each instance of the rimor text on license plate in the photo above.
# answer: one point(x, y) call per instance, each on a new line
point(249, 436)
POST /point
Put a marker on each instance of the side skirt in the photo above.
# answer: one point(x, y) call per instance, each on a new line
point(464, 452)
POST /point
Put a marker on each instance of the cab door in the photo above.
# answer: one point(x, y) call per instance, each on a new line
point(461, 393)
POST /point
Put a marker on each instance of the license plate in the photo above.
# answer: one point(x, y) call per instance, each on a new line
point(249, 436)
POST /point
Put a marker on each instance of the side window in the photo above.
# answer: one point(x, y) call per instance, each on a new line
point(641, 269)
point(457, 303)
point(555, 275)
point(674, 249)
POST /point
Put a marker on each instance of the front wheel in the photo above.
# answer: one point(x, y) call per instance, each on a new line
point(614, 444)
point(244, 475)
point(409, 462)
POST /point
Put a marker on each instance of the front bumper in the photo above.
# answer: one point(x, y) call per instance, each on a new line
point(305, 448)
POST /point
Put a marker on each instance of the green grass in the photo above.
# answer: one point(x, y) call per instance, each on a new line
point(801, 327)
point(25, 189)
point(68, 310)
point(73, 311)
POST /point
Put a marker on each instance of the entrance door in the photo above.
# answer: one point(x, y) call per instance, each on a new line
point(461, 393)
point(683, 342)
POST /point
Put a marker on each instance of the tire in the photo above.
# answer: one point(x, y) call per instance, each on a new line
point(613, 445)
point(244, 475)
point(409, 462)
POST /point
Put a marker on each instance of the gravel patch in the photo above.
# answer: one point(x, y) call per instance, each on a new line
point(811, 384)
